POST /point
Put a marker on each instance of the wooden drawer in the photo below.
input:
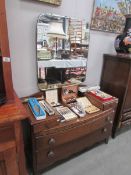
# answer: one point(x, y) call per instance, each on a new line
point(126, 116)
point(68, 134)
point(126, 123)
point(46, 157)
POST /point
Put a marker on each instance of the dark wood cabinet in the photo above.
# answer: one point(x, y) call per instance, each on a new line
point(52, 141)
point(116, 80)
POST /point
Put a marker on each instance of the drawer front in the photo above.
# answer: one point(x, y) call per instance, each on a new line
point(47, 157)
point(126, 116)
point(67, 135)
point(126, 123)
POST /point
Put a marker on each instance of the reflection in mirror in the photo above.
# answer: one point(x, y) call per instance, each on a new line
point(62, 50)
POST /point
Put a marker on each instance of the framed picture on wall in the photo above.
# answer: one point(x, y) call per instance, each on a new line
point(108, 15)
point(55, 2)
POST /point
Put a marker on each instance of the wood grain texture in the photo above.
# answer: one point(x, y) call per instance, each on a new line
point(12, 111)
point(4, 47)
point(52, 141)
point(11, 115)
point(20, 147)
point(12, 159)
point(8, 165)
point(116, 80)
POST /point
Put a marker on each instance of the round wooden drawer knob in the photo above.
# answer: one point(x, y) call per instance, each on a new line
point(105, 130)
point(51, 154)
point(109, 120)
point(52, 141)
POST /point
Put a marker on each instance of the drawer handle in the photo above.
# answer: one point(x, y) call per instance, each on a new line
point(109, 120)
point(104, 130)
point(52, 141)
point(51, 154)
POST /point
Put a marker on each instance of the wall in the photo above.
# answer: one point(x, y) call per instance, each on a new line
point(21, 19)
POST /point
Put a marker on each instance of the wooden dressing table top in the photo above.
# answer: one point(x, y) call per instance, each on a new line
point(12, 111)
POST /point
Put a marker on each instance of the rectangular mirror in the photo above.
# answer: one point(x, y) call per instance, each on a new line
point(62, 50)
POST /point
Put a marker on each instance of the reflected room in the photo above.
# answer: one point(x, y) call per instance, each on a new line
point(62, 50)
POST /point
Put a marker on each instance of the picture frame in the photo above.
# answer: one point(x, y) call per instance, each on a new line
point(108, 15)
point(53, 2)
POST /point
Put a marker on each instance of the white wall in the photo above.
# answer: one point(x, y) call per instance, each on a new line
point(21, 19)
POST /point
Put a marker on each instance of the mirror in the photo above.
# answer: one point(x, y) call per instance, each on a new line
point(62, 50)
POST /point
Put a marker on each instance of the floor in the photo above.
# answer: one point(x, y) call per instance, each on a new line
point(113, 158)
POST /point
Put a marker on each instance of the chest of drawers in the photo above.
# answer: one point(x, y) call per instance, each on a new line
point(52, 141)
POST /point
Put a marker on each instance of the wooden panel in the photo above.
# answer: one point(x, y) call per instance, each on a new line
point(20, 148)
point(6, 133)
point(11, 162)
point(50, 127)
point(116, 81)
point(11, 112)
point(126, 116)
point(11, 115)
point(126, 123)
point(4, 45)
point(2, 168)
point(47, 157)
point(12, 148)
point(8, 161)
point(115, 75)
point(127, 100)
point(73, 133)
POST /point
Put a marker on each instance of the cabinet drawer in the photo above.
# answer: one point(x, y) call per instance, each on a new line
point(126, 123)
point(67, 135)
point(126, 116)
point(47, 157)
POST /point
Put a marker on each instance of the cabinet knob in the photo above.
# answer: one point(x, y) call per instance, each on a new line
point(51, 154)
point(52, 141)
point(109, 120)
point(105, 130)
